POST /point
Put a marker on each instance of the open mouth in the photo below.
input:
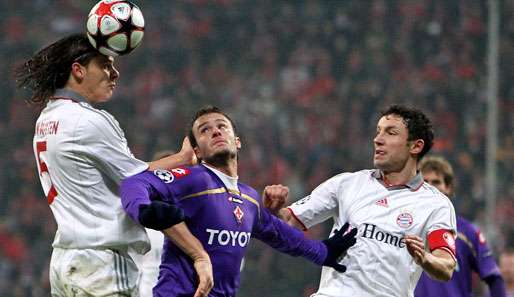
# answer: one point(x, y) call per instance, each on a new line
point(379, 153)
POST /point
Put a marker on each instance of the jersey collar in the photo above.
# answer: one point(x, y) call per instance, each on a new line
point(67, 94)
point(414, 184)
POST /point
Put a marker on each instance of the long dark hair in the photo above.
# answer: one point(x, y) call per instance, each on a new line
point(49, 69)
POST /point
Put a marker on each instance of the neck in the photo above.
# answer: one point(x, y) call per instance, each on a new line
point(401, 177)
point(77, 88)
point(229, 169)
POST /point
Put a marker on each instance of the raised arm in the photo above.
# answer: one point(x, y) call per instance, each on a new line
point(186, 156)
point(274, 198)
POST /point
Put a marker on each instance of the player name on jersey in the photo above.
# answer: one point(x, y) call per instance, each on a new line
point(47, 128)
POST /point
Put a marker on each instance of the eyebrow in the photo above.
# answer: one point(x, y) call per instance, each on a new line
point(215, 121)
point(388, 127)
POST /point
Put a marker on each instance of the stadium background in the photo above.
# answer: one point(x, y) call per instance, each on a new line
point(304, 80)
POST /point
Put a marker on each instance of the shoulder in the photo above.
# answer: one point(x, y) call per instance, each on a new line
point(95, 123)
point(246, 189)
point(349, 176)
point(469, 229)
point(346, 179)
point(437, 198)
point(465, 223)
point(250, 194)
point(97, 117)
point(195, 171)
point(178, 173)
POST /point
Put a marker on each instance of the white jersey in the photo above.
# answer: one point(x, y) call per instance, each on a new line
point(379, 263)
point(82, 156)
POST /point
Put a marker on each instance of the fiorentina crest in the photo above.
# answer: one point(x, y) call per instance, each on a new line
point(238, 213)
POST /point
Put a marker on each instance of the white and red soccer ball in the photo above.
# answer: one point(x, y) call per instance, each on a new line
point(115, 27)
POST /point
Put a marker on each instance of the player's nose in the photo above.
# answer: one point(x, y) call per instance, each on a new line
point(378, 140)
point(216, 132)
point(114, 73)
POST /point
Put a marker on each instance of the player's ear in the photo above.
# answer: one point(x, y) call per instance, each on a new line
point(78, 71)
point(197, 152)
point(416, 146)
point(238, 142)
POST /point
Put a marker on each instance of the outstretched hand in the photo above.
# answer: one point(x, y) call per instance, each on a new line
point(338, 244)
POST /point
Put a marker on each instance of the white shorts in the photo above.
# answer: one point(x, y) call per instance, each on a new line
point(92, 272)
point(149, 263)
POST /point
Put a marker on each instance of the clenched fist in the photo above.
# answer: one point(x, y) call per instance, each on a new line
point(275, 197)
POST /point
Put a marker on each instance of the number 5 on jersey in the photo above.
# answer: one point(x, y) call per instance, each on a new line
point(44, 175)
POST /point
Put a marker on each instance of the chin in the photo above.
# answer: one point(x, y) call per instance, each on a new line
point(219, 158)
point(381, 165)
point(105, 98)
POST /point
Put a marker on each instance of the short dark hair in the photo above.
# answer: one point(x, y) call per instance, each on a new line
point(417, 123)
point(439, 165)
point(50, 68)
point(203, 111)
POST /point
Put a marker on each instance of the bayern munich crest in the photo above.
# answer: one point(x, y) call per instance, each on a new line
point(404, 220)
point(164, 175)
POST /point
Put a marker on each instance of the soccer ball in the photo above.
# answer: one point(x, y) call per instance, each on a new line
point(115, 27)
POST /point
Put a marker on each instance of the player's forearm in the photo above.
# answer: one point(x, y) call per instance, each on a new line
point(190, 245)
point(282, 237)
point(439, 265)
point(285, 215)
point(170, 162)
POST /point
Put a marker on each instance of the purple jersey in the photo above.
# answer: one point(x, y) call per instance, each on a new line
point(224, 221)
point(473, 254)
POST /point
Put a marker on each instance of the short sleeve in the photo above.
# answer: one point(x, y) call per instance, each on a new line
point(100, 138)
point(320, 205)
point(443, 218)
point(441, 229)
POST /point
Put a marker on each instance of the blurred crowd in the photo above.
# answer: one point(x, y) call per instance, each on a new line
point(304, 81)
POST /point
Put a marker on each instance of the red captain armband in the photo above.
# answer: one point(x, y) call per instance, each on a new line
point(442, 239)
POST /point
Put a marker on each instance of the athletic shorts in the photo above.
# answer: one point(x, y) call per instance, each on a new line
point(92, 272)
